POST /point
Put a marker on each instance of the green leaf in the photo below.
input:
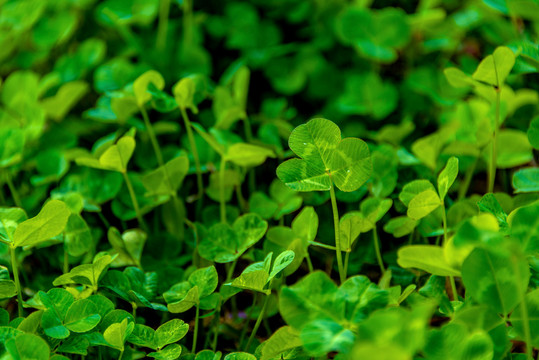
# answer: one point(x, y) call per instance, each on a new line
point(140, 86)
point(184, 92)
point(531, 302)
point(533, 133)
point(11, 146)
point(143, 336)
point(168, 178)
point(189, 300)
point(224, 243)
point(423, 204)
point(281, 262)
point(413, 188)
point(490, 204)
point(115, 158)
point(10, 218)
point(447, 176)
point(494, 68)
point(117, 333)
point(65, 99)
point(525, 227)
point(239, 356)
point(282, 340)
point(7, 289)
point(28, 347)
point(86, 274)
point(496, 279)
point(82, 316)
point(325, 158)
point(170, 332)
point(247, 155)
point(457, 78)
point(50, 222)
point(367, 94)
point(77, 236)
point(514, 149)
point(322, 336)
point(377, 34)
point(350, 227)
point(206, 279)
point(428, 258)
point(526, 180)
point(128, 246)
point(170, 352)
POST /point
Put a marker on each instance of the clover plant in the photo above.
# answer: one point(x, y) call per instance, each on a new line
point(171, 186)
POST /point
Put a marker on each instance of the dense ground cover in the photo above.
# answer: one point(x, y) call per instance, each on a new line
point(269, 179)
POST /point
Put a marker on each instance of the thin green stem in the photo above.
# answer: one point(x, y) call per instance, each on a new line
point(187, 22)
point(463, 189)
point(13, 190)
point(230, 270)
point(194, 150)
point(134, 307)
point(134, 201)
point(322, 245)
point(493, 150)
point(162, 26)
point(195, 335)
point(346, 260)
point(444, 222)
point(377, 250)
point(66, 260)
point(309, 262)
point(222, 202)
point(249, 315)
point(151, 134)
point(524, 313)
point(453, 288)
point(215, 327)
point(258, 322)
point(342, 276)
point(121, 354)
point(15, 269)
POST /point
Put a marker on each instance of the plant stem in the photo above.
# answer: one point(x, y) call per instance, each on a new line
point(322, 245)
point(66, 260)
point(526, 325)
point(249, 315)
point(195, 335)
point(134, 201)
point(258, 322)
point(187, 22)
point(230, 270)
point(451, 278)
point(453, 288)
point(121, 354)
point(162, 26)
point(222, 202)
point(463, 190)
point(13, 190)
point(216, 328)
point(151, 133)
point(309, 262)
point(377, 250)
point(337, 232)
point(493, 150)
point(444, 222)
point(346, 259)
point(134, 307)
point(15, 269)
point(194, 150)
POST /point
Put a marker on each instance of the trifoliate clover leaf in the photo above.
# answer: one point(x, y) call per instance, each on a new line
point(326, 158)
